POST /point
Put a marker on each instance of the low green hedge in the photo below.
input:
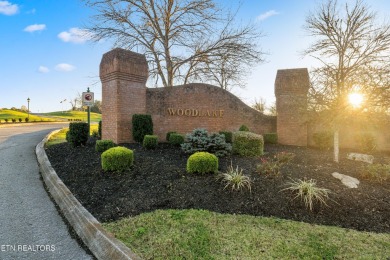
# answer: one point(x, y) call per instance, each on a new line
point(248, 144)
point(104, 145)
point(150, 141)
point(168, 135)
point(270, 138)
point(202, 162)
point(117, 159)
point(176, 139)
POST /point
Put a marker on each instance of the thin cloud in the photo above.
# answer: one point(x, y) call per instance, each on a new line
point(266, 15)
point(43, 69)
point(64, 67)
point(35, 27)
point(32, 11)
point(76, 35)
point(8, 8)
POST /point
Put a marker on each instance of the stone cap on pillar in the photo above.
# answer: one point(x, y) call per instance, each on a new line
point(292, 81)
point(125, 65)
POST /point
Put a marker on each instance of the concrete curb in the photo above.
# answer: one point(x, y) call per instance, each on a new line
point(102, 244)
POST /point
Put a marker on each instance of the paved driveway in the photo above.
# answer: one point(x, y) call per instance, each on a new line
point(30, 226)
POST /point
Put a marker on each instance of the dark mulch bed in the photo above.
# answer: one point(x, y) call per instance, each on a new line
point(158, 180)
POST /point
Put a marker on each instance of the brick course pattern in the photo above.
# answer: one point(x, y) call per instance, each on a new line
point(186, 107)
point(291, 87)
point(123, 75)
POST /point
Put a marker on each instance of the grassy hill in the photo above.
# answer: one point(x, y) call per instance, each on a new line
point(47, 117)
point(13, 114)
point(73, 115)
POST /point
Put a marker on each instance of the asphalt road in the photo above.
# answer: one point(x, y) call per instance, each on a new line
point(30, 226)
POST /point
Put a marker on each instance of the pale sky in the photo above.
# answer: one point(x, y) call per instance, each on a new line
point(44, 56)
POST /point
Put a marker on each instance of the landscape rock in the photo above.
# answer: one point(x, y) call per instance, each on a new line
point(348, 181)
point(361, 157)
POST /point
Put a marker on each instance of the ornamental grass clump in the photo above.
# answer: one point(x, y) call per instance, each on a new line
point(202, 162)
point(235, 179)
point(308, 192)
point(150, 141)
point(117, 159)
point(272, 166)
point(247, 144)
point(104, 145)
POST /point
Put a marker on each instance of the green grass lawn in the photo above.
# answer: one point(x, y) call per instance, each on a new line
point(200, 234)
point(75, 115)
point(10, 114)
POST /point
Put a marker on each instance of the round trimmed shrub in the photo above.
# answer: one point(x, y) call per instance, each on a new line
point(168, 135)
point(243, 128)
point(117, 159)
point(202, 162)
point(104, 145)
point(270, 138)
point(150, 141)
point(248, 144)
point(176, 139)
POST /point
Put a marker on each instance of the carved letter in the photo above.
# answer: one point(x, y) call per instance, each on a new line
point(215, 113)
point(180, 112)
point(221, 113)
point(171, 111)
point(187, 112)
point(195, 112)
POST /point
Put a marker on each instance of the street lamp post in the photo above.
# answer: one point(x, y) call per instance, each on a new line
point(28, 108)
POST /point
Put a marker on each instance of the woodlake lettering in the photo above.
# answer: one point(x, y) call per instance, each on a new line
point(195, 112)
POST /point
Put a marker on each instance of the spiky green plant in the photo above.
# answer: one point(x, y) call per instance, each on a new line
point(308, 191)
point(235, 179)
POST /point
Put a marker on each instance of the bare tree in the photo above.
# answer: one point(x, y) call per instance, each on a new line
point(76, 102)
point(259, 105)
point(355, 55)
point(183, 40)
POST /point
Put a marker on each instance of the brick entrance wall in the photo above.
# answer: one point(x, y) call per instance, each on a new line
point(183, 108)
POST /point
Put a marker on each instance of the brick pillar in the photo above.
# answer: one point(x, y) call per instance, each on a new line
point(291, 87)
point(123, 75)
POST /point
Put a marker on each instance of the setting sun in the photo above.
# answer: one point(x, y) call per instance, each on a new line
point(355, 99)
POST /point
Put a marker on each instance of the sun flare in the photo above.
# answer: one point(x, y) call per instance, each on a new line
point(355, 99)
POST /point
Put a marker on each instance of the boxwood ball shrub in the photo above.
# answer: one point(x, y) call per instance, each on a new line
point(142, 125)
point(168, 135)
point(228, 136)
point(202, 162)
point(150, 141)
point(176, 139)
point(117, 159)
point(248, 144)
point(270, 138)
point(243, 128)
point(77, 134)
point(104, 145)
